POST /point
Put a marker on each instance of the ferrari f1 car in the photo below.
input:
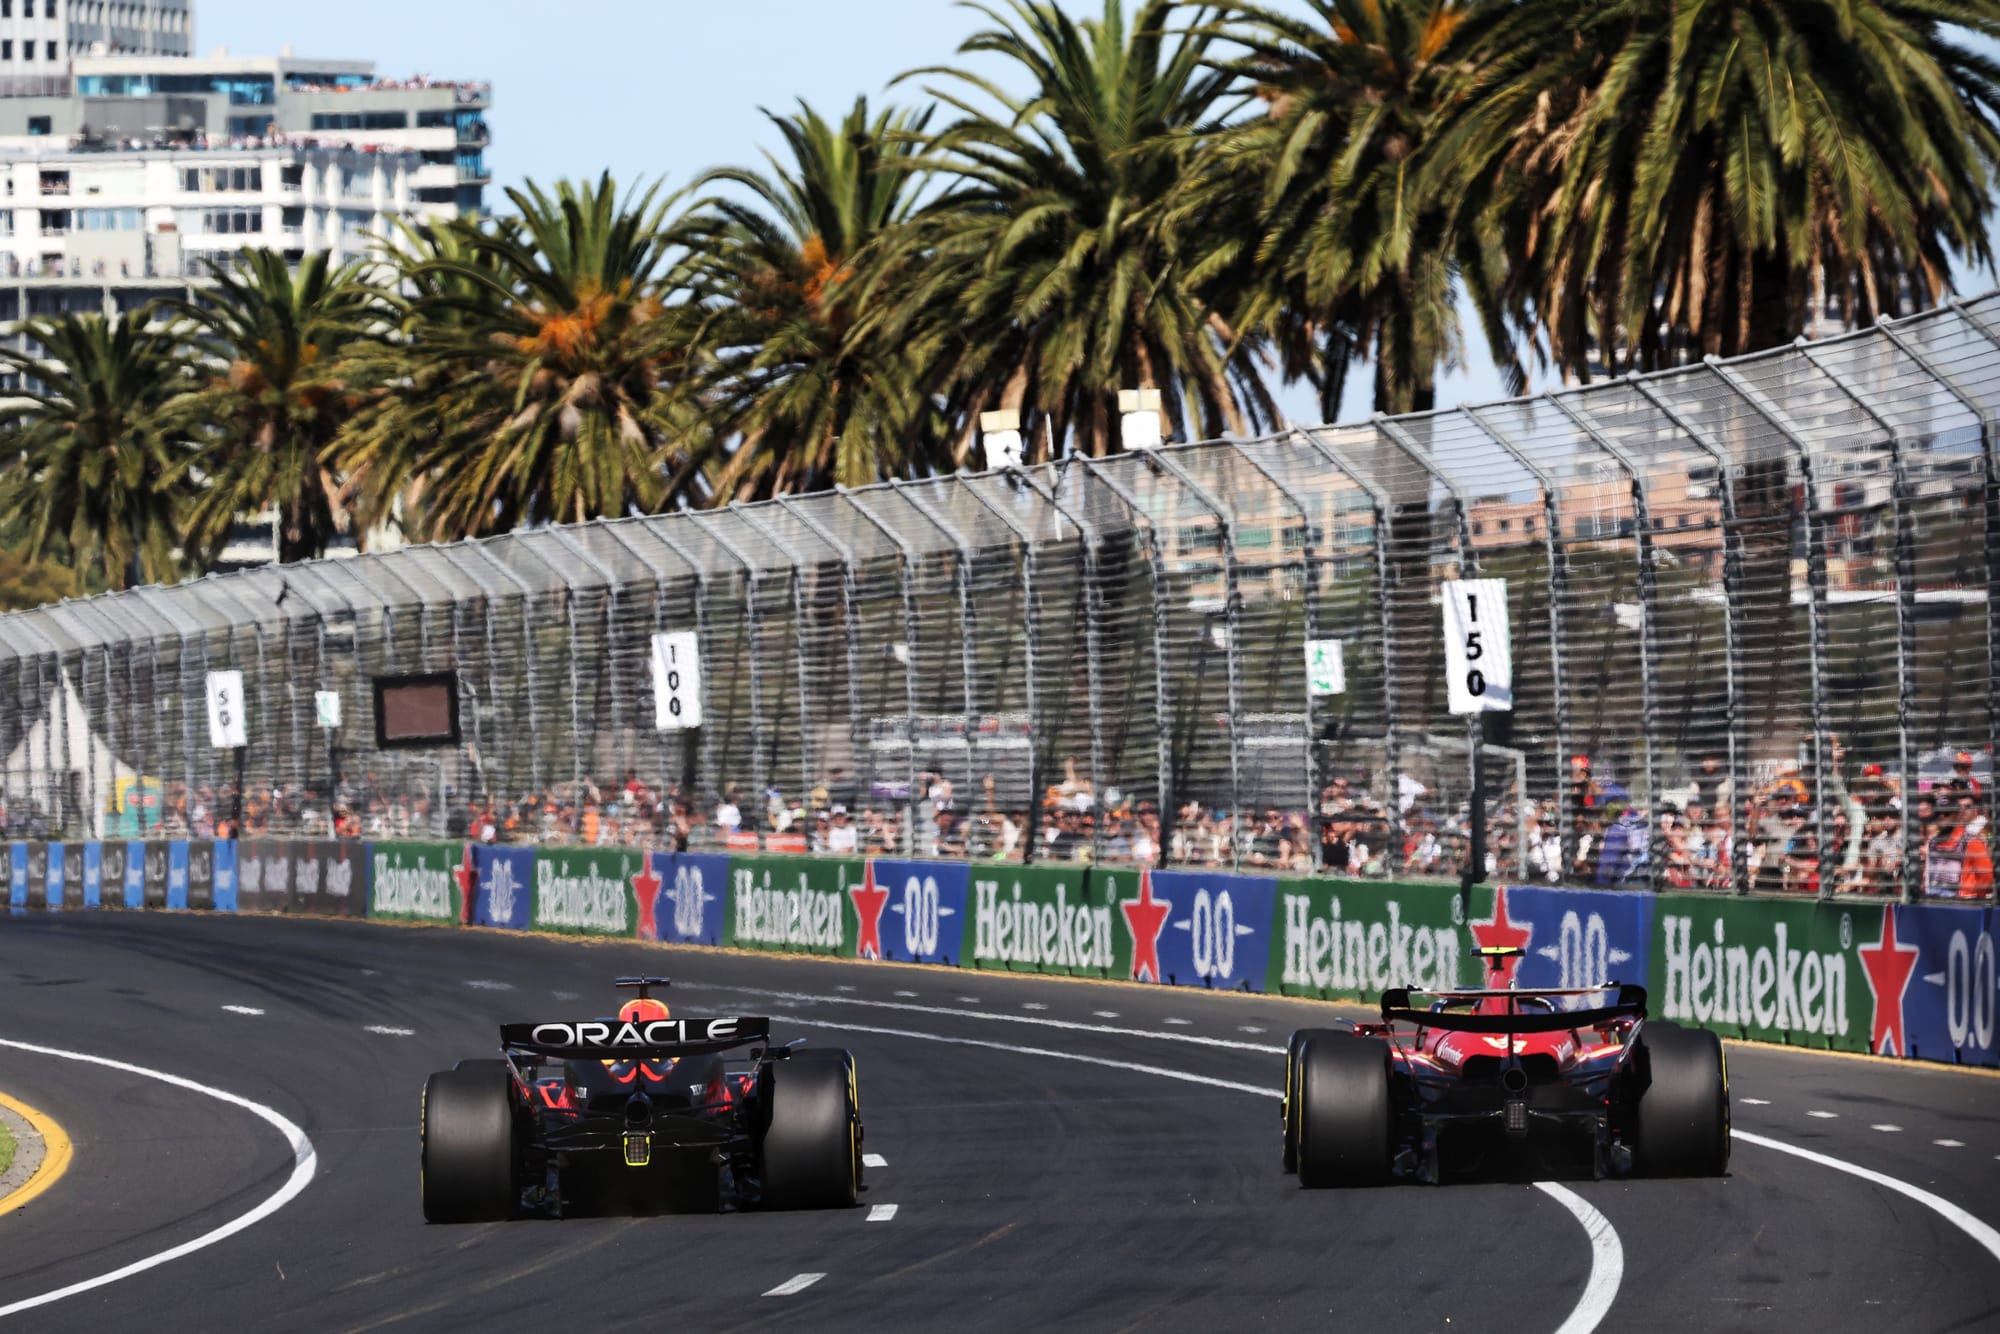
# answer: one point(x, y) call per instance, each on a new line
point(642, 1113)
point(1480, 1071)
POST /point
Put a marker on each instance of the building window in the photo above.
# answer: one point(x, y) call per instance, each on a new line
point(55, 221)
point(49, 11)
point(361, 120)
point(292, 219)
point(51, 50)
point(6, 48)
point(28, 53)
point(38, 125)
point(7, 8)
point(292, 175)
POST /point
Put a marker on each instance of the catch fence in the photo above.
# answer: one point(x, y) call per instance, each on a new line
point(1752, 640)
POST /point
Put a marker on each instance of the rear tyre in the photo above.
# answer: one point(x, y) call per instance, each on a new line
point(1680, 1123)
point(1289, 1109)
point(484, 1063)
point(469, 1155)
point(1344, 1114)
point(812, 1142)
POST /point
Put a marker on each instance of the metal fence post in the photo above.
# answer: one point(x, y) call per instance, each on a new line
point(753, 618)
point(1385, 585)
point(1906, 588)
point(907, 567)
point(610, 619)
point(1031, 588)
point(1310, 537)
point(1475, 724)
point(1093, 664)
point(1649, 628)
point(794, 582)
point(968, 623)
point(1558, 558)
point(1232, 619)
point(1733, 629)
point(660, 528)
point(1989, 440)
point(850, 603)
point(1816, 595)
point(1163, 695)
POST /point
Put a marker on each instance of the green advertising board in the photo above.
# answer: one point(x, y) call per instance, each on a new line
point(415, 882)
point(1768, 969)
point(801, 905)
point(587, 891)
point(1351, 939)
point(1037, 919)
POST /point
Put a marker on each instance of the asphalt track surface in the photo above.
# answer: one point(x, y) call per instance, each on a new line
point(1029, 1191)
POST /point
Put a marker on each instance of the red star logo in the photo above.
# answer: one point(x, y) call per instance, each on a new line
point(1889, 965)
point(1498, 932)
point(868, 904)
point(467, 876)
point(646, 886)
point(1144, 918)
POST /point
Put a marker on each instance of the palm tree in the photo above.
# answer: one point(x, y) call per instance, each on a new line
point(1688, 178)
point(1064, 261)
point(1355, 260)
point(94, 442)
point(542, 352)
point(814, 399)
point(277, 393)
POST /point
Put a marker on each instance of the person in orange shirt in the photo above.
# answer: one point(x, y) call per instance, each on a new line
point(591, 820)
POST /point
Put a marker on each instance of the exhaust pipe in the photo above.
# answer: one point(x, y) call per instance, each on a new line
point(638, 1112)
point(1514, 1079)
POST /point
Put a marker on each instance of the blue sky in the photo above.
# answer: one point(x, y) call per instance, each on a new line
point(651, 88)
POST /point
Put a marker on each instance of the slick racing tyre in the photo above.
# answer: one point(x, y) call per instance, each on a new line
point(469, 1158)
point(1680, 1124)
point(1289, 1109)
point(1344, 1117)
point(812, 1142)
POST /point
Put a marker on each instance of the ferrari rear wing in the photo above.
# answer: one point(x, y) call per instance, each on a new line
point(612, 1039)
point(1631, 1004)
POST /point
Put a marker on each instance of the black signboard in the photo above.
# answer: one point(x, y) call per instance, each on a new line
point(72, 893)
point(111, 875)
point(159, 863)
point(201, 874)
point(38, 875)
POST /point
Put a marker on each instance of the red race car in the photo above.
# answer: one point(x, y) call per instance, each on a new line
point(1434, 1092)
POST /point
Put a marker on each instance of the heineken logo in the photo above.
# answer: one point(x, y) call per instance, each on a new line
point(1771, 985)
point(801, 917)
point(1331, 952)
point(414, 891)
point(581, 902)
point(1058, 934)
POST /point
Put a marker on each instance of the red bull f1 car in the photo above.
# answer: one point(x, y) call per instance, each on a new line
point(641, 1113)
point(1437, 1091)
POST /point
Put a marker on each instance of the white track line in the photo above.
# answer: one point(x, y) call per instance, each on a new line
point(1979, 1231)
point(796, 1283)
point(1607, 1261)
point(390, 1031)
point(881, 1213)
point(1134, 1066)
point(242, 1009)
point(304, 1162)
point(1949, 1143)
point(1755, 1102)
point(873, 1160)
point(488, 984)
point(997, 1017)
point(1824, 1116)
point(1887, 1129)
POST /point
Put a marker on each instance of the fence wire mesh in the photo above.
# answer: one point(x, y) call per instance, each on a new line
point(1752, 633)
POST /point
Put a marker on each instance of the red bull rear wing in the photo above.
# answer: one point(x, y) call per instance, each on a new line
point(612, 1039)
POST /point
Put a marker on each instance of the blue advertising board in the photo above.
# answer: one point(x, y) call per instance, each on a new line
point(1218, 928)
point(504, 894)
point(1933, 981)
point(135, 874)
point(689, 897)
point(225, 875)
point(1573, 937)
point(56, 881)
point(177, 873)
point(93, 873)
point(922, 919)
point(17, 875)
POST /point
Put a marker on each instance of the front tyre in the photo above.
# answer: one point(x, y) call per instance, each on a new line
point(469, 1154)
point(1344, 1114)
point(1680, 1123)
point(811, 1147)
